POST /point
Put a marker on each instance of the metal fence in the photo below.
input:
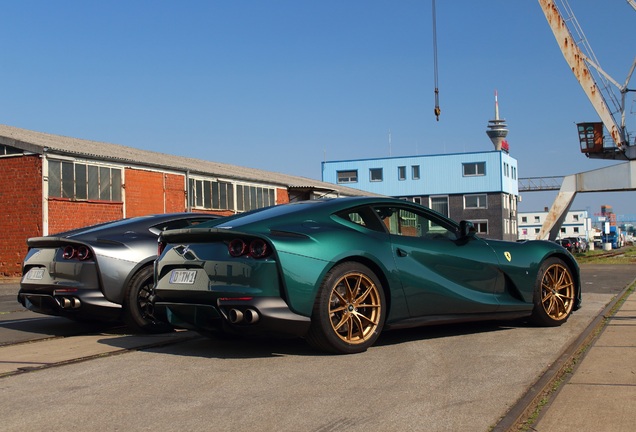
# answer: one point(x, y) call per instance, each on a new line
point(529, 184)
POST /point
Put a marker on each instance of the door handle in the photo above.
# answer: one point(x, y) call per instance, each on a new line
point(401, 252)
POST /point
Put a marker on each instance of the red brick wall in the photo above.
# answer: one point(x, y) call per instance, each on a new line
point(144, 192)
point(65, 214)
point(20, 209)
point(175, 193)
point(282, 196)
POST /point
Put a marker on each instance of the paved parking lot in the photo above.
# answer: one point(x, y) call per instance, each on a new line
point(434, 378)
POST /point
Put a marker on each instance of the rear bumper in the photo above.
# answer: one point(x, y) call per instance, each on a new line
point(258, 315)
point(69, 303)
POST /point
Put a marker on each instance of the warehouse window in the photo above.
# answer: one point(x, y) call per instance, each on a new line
point(253, 197)
point(474, 169)
point(6, 150)
point(80, 181)
point(211, 194)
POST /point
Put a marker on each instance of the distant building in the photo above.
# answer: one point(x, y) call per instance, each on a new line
point(577, 223)
point(481, 187)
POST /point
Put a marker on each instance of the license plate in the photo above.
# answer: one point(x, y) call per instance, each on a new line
point(183, 276)
point(35, 273)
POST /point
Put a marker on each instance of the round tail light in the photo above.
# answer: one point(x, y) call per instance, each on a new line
point(237, 247)
point(258, 248)
point(68, 253)
point(83, 253)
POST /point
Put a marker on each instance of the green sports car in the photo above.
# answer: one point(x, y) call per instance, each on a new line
point(339, 271)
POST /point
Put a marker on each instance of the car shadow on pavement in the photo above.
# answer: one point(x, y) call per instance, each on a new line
point(57, 327)
point(194, 345)
point(435, 331)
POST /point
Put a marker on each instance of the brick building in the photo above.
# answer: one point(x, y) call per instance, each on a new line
point(53, 183)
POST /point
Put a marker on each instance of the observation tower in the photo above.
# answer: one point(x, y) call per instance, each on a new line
point(498, 130)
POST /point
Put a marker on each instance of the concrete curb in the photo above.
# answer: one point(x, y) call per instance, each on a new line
point(543, 388)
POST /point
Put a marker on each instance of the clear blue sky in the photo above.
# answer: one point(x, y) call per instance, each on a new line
point(282, 85)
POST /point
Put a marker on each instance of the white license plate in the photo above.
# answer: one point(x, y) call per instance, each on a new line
point(183, 276)
point(35, 273)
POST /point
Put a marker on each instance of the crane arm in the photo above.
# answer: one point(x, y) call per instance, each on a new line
point(577, 62)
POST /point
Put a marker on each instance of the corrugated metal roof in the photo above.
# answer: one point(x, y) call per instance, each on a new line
point(39, 142)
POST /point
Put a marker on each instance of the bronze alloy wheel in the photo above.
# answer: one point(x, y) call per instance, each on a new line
point(355, 308)
point(557, 292)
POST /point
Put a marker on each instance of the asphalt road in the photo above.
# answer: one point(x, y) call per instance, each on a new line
point(445, 378)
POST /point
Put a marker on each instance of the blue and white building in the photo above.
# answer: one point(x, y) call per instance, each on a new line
point(480, 186)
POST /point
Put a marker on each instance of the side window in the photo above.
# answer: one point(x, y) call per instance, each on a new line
point(363, 217)
point(406, 222)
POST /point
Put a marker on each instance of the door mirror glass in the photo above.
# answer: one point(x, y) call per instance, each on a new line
point(467, 229)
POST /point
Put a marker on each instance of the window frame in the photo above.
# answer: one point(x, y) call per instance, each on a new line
point(401, 173)
point(415, 172)
point(476, 165)
point(478, 205)
point(432, 205)
point(373, 174)
point(83, 181)
point(479, 224)
point(342, 178)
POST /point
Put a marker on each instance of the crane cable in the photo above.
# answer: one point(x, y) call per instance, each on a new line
point(437, 109)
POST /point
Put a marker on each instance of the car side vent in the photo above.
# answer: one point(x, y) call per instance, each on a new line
point(280, 233)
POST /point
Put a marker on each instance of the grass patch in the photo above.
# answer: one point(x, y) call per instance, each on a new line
point(624, 255)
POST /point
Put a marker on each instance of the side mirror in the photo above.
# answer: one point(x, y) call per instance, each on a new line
point(466, 229)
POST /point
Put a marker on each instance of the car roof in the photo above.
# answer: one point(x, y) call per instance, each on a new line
point(135, 223)
point(313, 209)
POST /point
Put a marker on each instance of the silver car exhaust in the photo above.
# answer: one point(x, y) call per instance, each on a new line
point(236, 316)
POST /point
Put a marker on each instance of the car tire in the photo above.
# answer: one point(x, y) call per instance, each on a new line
point(137, 309)
point(554, 294)
point(349, 311)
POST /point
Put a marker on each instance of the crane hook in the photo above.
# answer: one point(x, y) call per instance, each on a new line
point(437, 110)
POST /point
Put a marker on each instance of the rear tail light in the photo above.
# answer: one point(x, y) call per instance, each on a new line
point(161, 246)
point(78, 252)
point(256, 248)
point(237, 247)
point(83, 253)
point(69, 252)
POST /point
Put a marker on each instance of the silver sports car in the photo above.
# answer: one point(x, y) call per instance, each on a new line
point(99, 273)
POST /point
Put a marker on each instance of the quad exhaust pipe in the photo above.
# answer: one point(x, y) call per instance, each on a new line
point(249, 316)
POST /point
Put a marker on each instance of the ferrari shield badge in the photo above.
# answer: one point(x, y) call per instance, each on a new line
point(508, 256)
